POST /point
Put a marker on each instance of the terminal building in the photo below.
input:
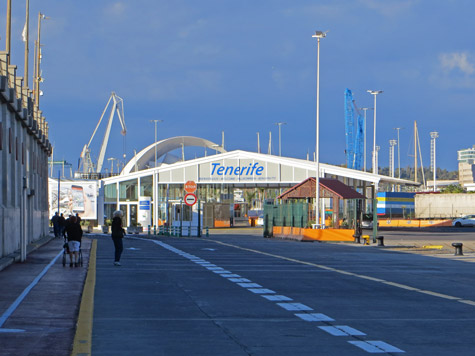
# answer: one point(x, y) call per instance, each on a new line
point(152, 193)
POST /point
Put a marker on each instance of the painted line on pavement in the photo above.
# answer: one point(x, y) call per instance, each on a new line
point(341, 330)
point(375, 347)
point(27, 290)
point(362, 276)
point(83, 338)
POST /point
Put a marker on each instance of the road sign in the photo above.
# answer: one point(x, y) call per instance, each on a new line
point(190, 199)
point(190, 187)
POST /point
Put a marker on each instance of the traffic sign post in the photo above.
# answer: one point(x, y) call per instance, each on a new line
point(190, 186)
point(190, 199)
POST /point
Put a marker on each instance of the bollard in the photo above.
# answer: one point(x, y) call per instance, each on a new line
point(154, 229)
point(357, 238)
point(207, 231)
point(365, 239)
point(149, 230)
point(458, 248)
point(189, 231)
point(380, 240)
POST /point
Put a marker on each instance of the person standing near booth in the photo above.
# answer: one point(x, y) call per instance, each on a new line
point(118, 234)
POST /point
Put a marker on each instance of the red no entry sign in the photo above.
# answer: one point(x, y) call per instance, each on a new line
point(190, 199)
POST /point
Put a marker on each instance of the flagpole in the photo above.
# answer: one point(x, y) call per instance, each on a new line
point(25, 36)
point(9, 29)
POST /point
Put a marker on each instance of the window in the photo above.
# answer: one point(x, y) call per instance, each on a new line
point(146, 186)
point(128, 190)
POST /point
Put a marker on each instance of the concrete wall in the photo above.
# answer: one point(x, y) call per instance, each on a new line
point(24, 152)
point(445, 206)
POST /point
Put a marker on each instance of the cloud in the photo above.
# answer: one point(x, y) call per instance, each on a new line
point(455, 70)
point(456, 61)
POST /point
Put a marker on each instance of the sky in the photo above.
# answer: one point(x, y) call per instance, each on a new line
point(239, 67)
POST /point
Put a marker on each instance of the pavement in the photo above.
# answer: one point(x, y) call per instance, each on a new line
point(44, 320)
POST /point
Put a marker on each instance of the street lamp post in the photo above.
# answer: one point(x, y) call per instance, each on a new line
point(364, 135)
point(433, 136)
point(318, 35)
point(375, 93)
point(280, 137)
point(156, 122)
point(398, 153)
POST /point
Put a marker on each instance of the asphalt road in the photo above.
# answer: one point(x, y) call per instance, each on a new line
point(246, 295)
point(236, 293)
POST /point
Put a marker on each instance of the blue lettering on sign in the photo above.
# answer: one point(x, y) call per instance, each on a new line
point(144, 202)
point(249, 170)
point(144, 207)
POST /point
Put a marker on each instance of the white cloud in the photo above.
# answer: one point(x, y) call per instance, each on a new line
point(456, 60)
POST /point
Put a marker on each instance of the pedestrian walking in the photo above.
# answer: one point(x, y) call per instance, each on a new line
point(62, 225)
point(74, 236)
point(118, 234)
point(56, 224)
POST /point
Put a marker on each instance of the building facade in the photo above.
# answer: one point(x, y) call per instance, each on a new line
point(24, 152)
point(218, 178)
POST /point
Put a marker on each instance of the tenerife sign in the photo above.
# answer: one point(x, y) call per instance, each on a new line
point(221, 170)
point(238, 170)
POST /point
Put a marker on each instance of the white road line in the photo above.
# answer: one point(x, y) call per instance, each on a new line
point(336, 330)
point(326, 268)
point(221, 271)
point(276, 298)
point(470, 302)
point(341, 330)
point(27, 290)
point(440, 295)
point(250, 285)
point(261, 291)
point(294, 306)
point(314, 317)
point(235, 280)
point(375, 347)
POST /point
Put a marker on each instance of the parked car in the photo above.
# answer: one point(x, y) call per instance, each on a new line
point(468, 220)
point(367, 222)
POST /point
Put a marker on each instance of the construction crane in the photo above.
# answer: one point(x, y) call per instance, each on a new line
point(85, 159)
point(354, 132)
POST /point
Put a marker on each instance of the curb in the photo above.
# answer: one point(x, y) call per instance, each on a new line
point(82, 344)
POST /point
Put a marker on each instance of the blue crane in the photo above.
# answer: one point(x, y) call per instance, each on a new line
point(354, 133)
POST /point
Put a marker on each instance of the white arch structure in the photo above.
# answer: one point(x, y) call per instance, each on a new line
point(141, 160)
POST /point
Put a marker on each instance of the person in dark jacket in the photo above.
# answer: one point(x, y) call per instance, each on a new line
point(74, 236)
point(117, 235)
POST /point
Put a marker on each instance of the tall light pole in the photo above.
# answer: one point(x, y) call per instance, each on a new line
point(398, 152)
point(156, 122)
point(433, 136)
point(26, 38)
point(280, 137)
point(318, 35)
point(364, 135)
point(392, 143)
point(38, 78)
point(375, 163)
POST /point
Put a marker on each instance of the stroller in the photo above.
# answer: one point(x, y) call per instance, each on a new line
point(66, 253)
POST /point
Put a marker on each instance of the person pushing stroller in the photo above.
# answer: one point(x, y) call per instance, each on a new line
point(73, 236)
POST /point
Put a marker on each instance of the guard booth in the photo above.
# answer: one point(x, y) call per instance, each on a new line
point(297, 205)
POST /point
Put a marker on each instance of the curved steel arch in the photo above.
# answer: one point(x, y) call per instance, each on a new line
point(142, 158)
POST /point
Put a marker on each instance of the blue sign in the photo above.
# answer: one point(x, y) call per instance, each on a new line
point(249, 170)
